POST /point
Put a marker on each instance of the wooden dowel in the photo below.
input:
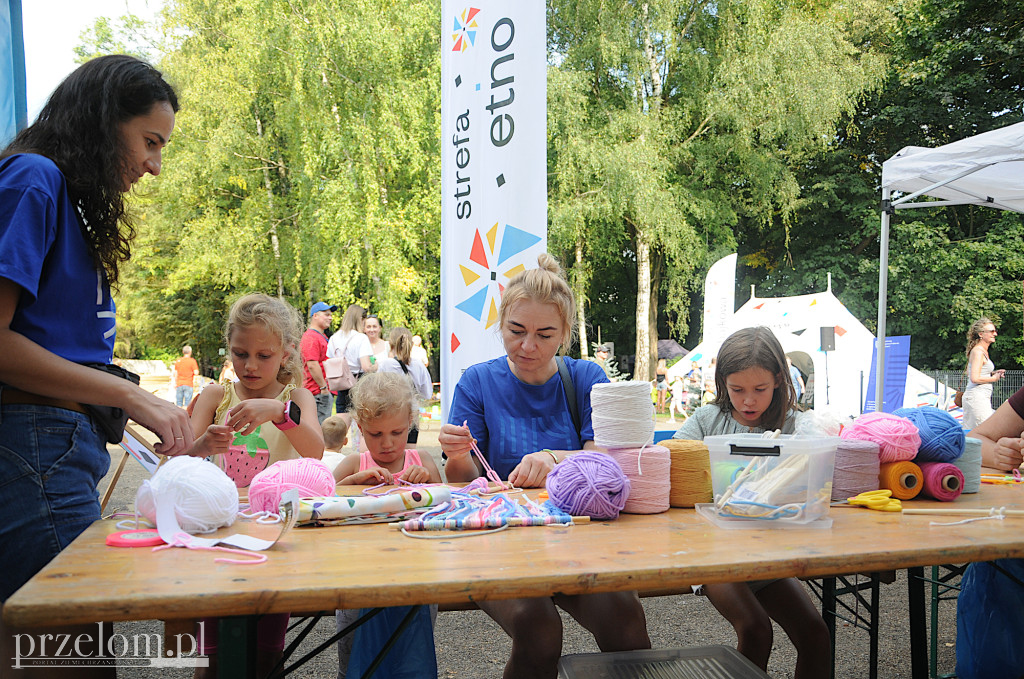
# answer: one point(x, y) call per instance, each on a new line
point(970, 512)
point(513, 522)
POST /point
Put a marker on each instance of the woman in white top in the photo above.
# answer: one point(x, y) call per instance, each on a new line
point(400, 361)
point(981, 374)
point(356, 347)
point(373, 327)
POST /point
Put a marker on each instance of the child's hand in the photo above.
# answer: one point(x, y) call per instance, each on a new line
point(370, 477)
point(215, 441)
point(251, 413)
point(416, 474)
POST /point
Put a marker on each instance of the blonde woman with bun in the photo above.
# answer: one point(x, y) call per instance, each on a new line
point(517, 410)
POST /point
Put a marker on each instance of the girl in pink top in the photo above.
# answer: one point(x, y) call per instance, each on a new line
point(385, 406)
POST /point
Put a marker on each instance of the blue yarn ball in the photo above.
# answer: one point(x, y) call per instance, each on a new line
point(942, 437)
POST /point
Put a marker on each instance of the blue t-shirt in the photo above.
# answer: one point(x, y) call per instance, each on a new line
point(510, 418)
point(65, 303)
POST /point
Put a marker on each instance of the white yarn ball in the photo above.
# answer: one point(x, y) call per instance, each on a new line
point(204, 497)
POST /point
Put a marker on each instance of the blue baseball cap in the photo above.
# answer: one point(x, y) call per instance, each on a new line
point(322, 306)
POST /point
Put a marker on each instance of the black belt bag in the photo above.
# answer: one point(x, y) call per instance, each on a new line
point(109, 419)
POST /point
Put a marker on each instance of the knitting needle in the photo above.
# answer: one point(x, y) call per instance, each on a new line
point(993, 511)
point(515, 521)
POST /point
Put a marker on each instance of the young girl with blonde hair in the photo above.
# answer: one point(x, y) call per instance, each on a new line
point(385, 407)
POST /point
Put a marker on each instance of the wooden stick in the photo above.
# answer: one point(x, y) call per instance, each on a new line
point(113, 481)
point(512, 523)
point(994, 511)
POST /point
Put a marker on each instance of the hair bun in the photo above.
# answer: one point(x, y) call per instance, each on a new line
point(548, 263)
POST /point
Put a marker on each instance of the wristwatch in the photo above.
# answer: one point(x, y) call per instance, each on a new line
point(292, 414)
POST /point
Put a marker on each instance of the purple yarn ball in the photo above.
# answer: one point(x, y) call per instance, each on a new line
point(589, 484)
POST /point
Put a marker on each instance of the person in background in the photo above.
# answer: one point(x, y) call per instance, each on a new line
point(314, 353)
point(601, 354)
point(227, 373)
point(101, 131)
point(335, 430)
point(661, 375)
point(418, 352)
point(400, 361)
point(981, 373)
point(378, 345)
point(798, 380)
point(351, 343)
point(185, 372)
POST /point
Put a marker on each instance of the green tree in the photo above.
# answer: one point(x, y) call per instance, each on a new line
point(957, 70)
point(673, 121)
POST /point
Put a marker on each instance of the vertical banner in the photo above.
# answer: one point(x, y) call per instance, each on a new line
point(897, 359)
point(493, 167)
point(13, 99)
point(719, 304)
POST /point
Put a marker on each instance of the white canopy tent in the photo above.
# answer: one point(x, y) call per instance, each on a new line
point(987, 169)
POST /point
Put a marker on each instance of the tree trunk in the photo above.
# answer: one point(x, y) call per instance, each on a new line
point(657, 261)
point(275, 244)
point(580, 292)
point(643, 303)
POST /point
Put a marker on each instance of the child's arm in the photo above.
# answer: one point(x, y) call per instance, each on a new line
point(347, 473)
point(307, 438)
point(210, 438)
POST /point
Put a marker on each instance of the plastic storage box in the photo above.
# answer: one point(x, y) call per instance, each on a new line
point(771, 483)
point(702, 662)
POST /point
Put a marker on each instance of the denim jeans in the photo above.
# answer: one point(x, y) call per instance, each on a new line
point(51, 461)
point(182, 395)
point(323, 405)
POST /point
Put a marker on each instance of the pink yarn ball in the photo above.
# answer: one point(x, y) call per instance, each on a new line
point(588, 484)
point(897, 437)
point(311, 477)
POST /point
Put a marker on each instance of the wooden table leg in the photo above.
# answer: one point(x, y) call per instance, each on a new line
point(918, 633)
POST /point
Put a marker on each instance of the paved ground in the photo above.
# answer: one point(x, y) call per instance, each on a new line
point(470, 645)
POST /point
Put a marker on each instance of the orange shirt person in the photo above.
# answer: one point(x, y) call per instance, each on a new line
point(185, 371)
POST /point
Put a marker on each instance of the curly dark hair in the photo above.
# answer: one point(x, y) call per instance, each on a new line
point(79, 130)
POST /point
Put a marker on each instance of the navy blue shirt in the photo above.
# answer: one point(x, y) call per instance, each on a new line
point(510, 418)
point(65, 304)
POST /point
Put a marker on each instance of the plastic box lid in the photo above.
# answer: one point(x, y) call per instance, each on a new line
point(699, 662)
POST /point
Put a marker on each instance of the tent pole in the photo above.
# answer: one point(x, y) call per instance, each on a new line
point(883, 292)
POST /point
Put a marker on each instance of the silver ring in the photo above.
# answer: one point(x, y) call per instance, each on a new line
point(179, 438)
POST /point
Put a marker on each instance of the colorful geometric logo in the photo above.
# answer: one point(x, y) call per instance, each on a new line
point(464, 33)
point(481, 278)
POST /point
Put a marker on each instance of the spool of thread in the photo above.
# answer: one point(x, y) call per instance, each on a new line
point(689, 472)
point(310, 477)
point(942, 437)
point(622, 414)
point(856, 468)
point(970, 464)
point(724, 473)
point(903, 478)
point(589, 484)
point(204, 498)
point(942, 481)
point(897, 437)
point(647, 470)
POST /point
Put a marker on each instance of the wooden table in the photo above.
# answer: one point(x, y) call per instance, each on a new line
point(366, 566)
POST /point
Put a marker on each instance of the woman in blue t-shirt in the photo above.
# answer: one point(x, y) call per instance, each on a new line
point(64, 231)
point(517, 409)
